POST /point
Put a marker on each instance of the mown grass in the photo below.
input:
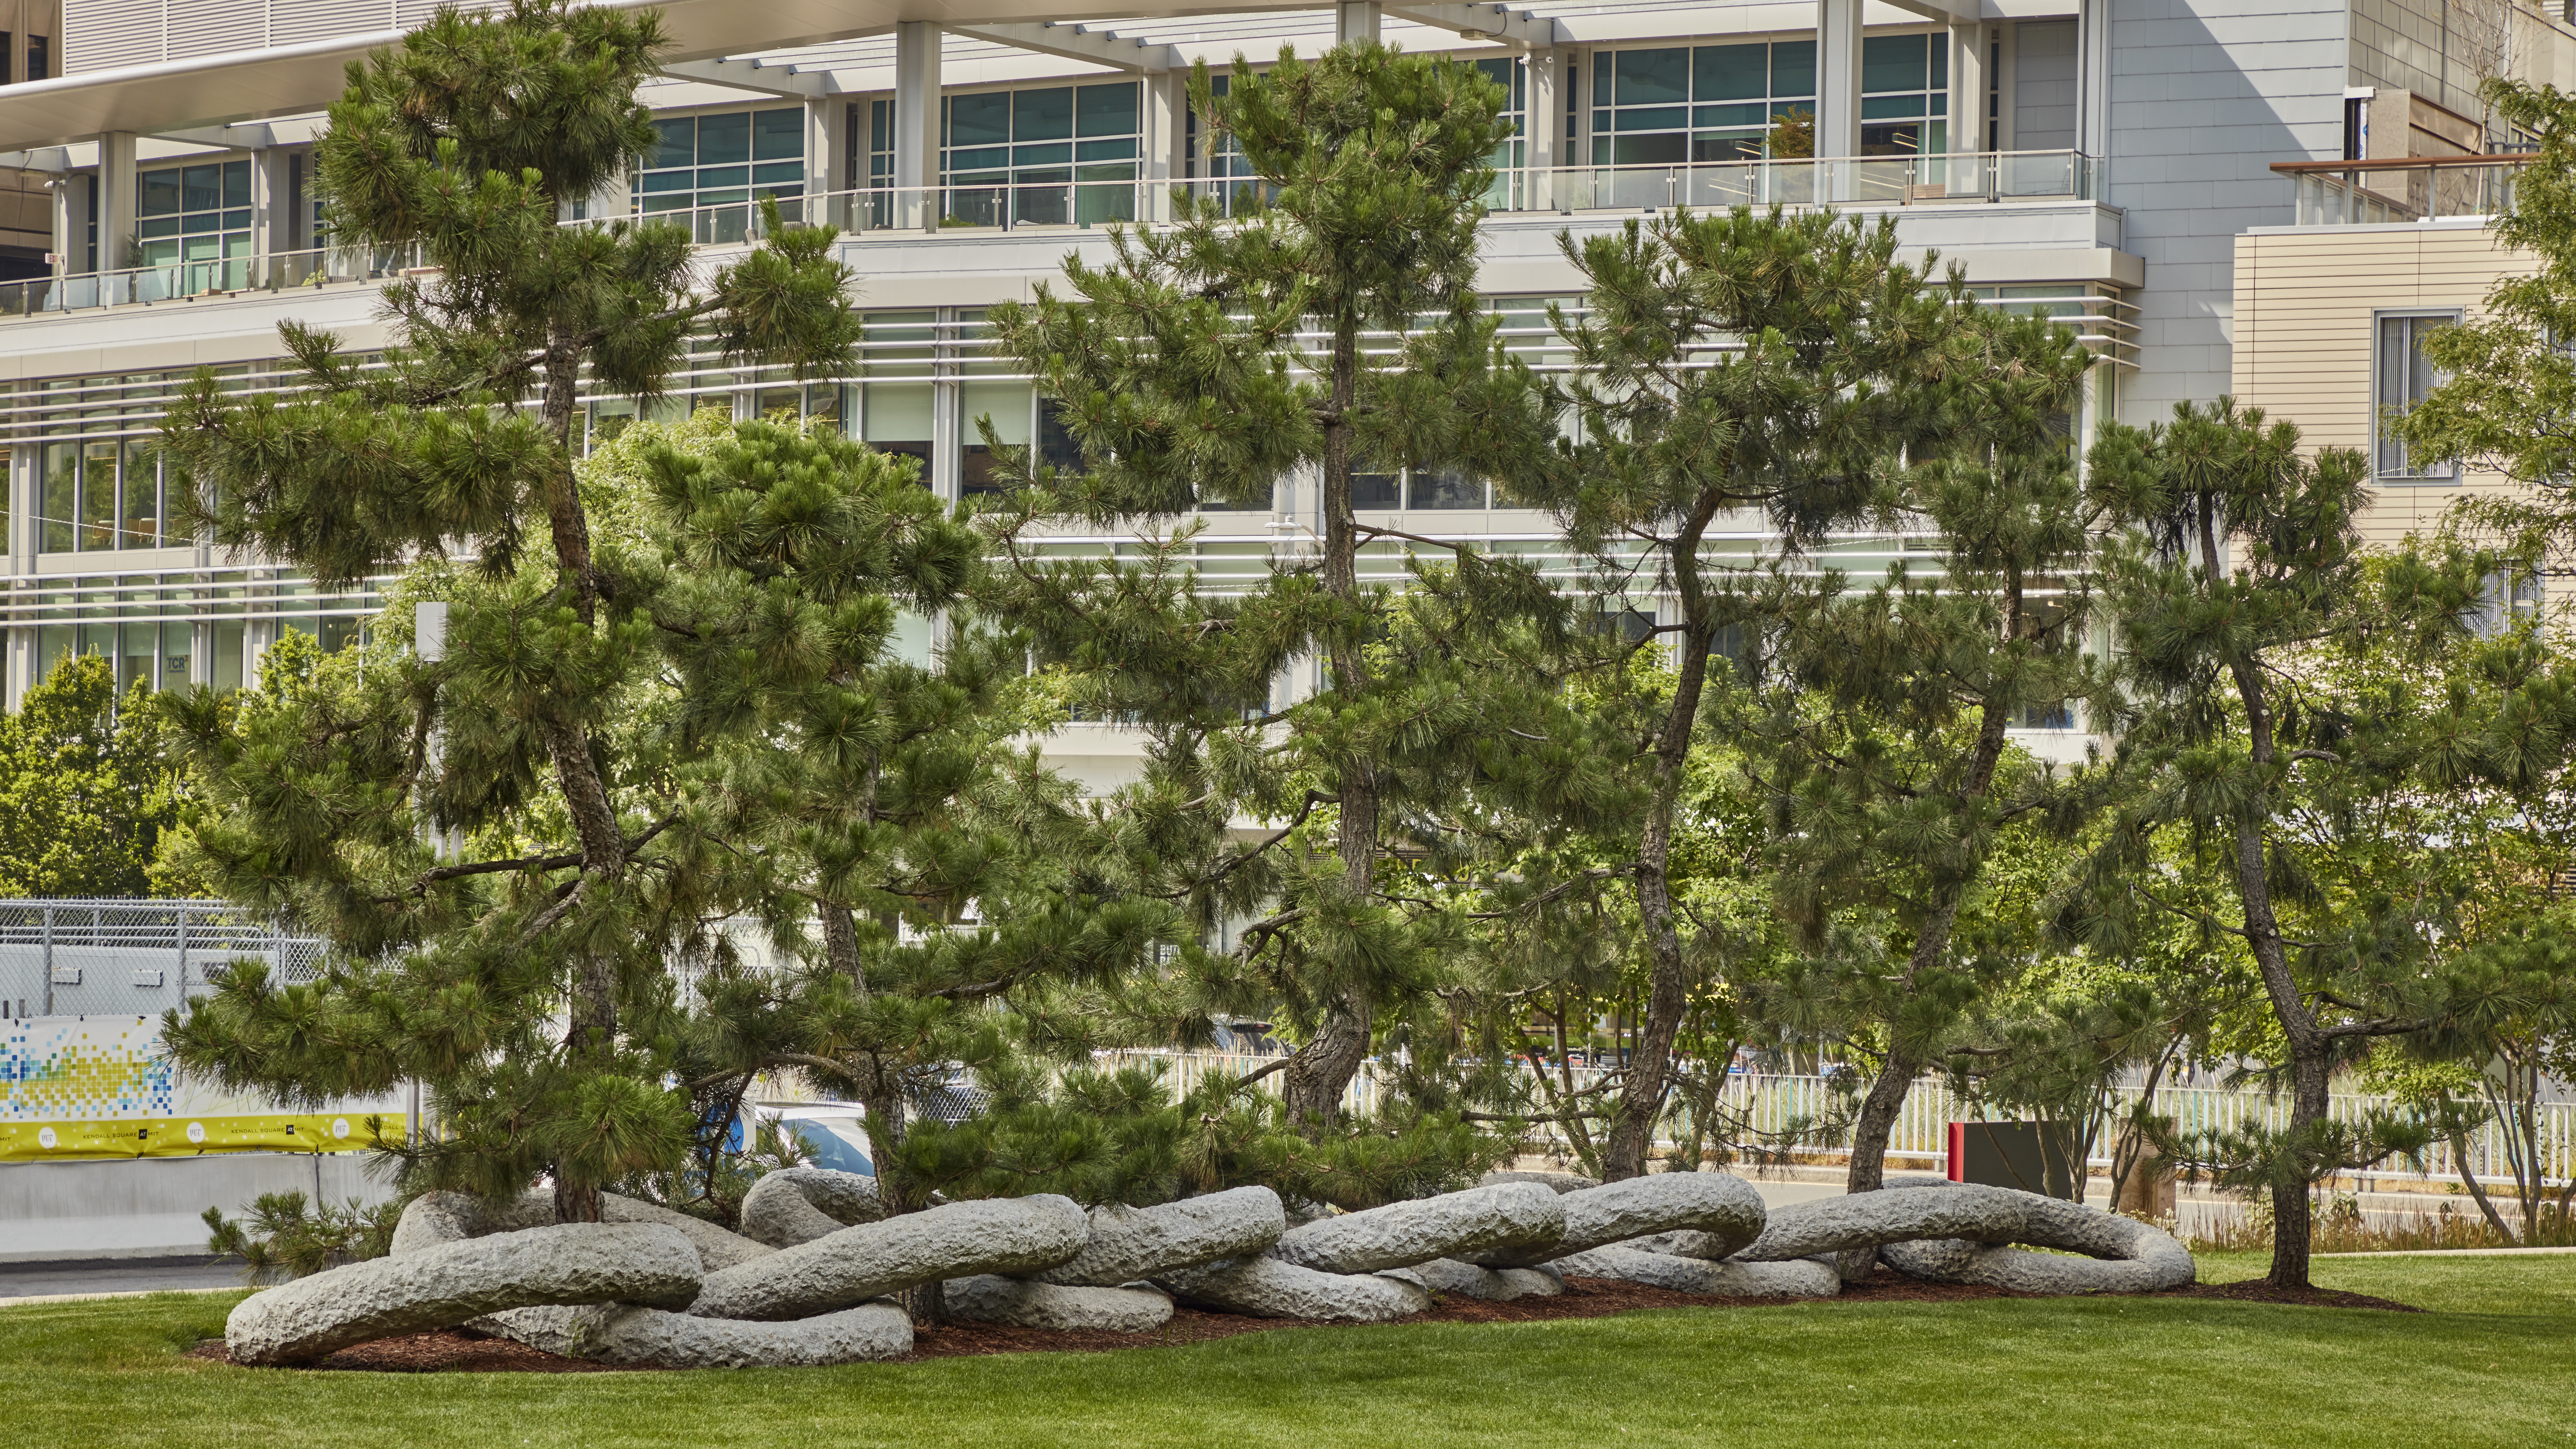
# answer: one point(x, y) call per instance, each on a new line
point(2490, 1364)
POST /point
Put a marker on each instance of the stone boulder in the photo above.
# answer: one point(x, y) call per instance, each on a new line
point(448, 1217)
point(990, 1298)
point(1519, 1215)
point(799, 1204)
point(1890, 1215)
point(1266, 1287)
point(1560, 1181)
point(1802, 1278)
point(1494, 1285)
point(1000, 1235)
point(1128, 1243)
point(452, 1283)
point(2123, 1255)
point(633, 1337)
point(1724, 1208)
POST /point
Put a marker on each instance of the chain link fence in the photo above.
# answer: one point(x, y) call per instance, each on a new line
point(134, 957)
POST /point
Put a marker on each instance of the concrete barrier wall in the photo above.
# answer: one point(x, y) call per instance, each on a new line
point(150, 1207)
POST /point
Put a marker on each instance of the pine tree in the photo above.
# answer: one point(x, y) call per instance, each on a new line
point(2237, 578)
point(1681, 426)
point(469, 143)
point(1884, 746)
point(1317, 325)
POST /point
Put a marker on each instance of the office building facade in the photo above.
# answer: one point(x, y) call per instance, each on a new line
point(2101, 161)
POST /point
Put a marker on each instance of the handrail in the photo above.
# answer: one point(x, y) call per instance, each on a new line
point(1980, 177)
point(2406, 163)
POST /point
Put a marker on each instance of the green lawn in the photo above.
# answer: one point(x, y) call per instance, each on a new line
point(2493, 1363)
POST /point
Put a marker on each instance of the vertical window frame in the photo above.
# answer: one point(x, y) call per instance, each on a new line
point(2442, 473)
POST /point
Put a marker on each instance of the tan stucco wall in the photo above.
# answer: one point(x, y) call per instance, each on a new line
point(2305, 305)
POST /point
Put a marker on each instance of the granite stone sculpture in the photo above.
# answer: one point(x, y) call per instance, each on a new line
point(807, 1280)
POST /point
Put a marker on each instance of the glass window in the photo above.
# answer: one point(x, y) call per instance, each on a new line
point(1008, 404)
point(59, 502)
point(1737, 93)
point(1045, 115)
point(678, 145)
point(1058, 448)
point(1730, 73)
point(98, 496)
point(723, 139)
point(1904, 81)
point(193, 229)
point(702, 165)
point(896, 418)
point(1447, 488)
point(1011, 158)
point(228, 656)
point(2405, 374)
point(141, 519)
point(778, 136)
point(1377, 487)
point(1892, 63)
point(1105, 110)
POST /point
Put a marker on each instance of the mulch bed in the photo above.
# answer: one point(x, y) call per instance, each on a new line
point(448, 1350)
point(457, 1351)
point(2256, 1290)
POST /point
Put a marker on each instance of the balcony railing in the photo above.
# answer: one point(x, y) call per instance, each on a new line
point(1981, 178)
point(2403, 189)
point(192, 281)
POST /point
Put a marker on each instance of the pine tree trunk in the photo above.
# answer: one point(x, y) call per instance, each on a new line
point(1878, 1110)
point(1650, 1069)
point(591, 1037)
point(1323, 1067)
point(880, 1091)
point(2310, 1049)
point(1905, 1061)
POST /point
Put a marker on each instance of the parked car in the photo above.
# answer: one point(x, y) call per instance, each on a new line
point(832, 1133)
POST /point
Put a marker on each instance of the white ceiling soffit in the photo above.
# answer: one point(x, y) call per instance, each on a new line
point(182, 95)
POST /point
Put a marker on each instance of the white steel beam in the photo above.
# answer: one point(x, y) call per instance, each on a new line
point(1948, 12)
point(747, 75)
point(1488, 22)
point(1081, 42)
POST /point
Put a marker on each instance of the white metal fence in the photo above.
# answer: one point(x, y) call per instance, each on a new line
point(1775, 1103)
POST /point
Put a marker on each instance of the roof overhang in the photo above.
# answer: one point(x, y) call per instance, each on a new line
point(290, 80)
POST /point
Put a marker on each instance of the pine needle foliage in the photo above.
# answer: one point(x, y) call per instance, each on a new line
point(1317, 324)
point(1743, 362)
point(527, 986)
point(1882, 746)
point(2238, 574)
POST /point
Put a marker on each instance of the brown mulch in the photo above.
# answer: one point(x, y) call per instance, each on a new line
point(1583, 1298)
point(2257, 1290)
point(447, 1350)
point(455, 1350)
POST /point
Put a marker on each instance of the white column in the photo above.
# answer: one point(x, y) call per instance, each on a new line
point(827, 157)
point(71, 194)
point(1164, 107)
point(1543, 127)
point(916, 124)
point(1838, 25)
point(116, 181)
point(1356, 20)
point(2093, 78)
point(1968, 88)
point(272, 227)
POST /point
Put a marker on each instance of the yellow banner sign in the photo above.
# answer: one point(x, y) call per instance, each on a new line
point(99, 1086)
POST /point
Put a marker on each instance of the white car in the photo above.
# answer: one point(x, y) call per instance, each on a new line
point(831, 1133)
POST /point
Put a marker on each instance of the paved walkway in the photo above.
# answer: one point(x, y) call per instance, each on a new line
point(113, 1277)
point(2448, 1253)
